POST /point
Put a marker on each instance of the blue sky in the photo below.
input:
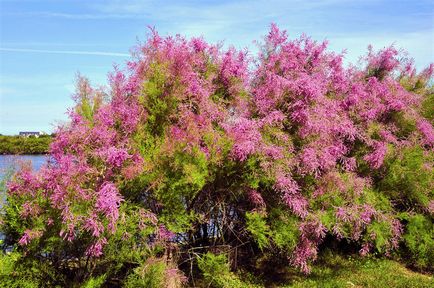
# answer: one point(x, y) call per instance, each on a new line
point(43, 44)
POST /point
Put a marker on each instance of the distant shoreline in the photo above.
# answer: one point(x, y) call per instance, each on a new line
point(20, 145)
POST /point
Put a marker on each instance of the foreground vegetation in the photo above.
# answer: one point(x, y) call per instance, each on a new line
point(24, 145)
point(202, 167)
point(337, 271)
point(332, 270)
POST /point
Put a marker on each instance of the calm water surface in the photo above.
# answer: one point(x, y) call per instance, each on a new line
point(13, 161)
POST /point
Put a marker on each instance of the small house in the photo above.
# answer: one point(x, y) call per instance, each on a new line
point(27, 134)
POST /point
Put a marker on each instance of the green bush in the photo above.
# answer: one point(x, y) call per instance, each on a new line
point(419, 239)
point(19, 272)
point(258, 227)
point(216, 272)
point(151, 274)
point(95, 282)
point(409, 181)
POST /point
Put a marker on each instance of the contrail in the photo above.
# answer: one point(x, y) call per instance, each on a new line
point(73, 52)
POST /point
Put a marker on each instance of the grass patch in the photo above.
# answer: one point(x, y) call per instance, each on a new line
point(338, 271)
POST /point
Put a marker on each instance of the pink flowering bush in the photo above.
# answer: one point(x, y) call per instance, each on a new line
point(193, 148)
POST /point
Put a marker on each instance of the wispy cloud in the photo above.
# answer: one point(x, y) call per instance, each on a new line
point(80, 16)
point(188, 10)
point(73, 52)
point(58, 44)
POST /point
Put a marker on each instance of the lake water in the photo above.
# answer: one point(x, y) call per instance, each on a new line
point(13, 161)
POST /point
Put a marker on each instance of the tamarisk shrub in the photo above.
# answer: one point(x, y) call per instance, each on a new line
point(193, 149)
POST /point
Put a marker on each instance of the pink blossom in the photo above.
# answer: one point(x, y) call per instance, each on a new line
point(366, 247)
point(246, 136)
point(274, 152)
point(367, 213)
point(50, 221)
point(115, 156)
point(94, 226)
point(310, 161)
point(145, 218)
point(349, 164)
point(95, 249)
point(342, 214)
point(376, 158)
point(25, 239)
point(397, 230)
point(30, 209)
point(388, 136)
point(108, 202)
point(431, 207)
point(164, 234)
point(28, 236)
point(256, 198)
point(385, 60)
point(312, 233)
point(427, 130)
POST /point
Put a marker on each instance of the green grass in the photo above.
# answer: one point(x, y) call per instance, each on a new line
point(337, 271)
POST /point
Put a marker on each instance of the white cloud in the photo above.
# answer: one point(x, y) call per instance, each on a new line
point(415, 43)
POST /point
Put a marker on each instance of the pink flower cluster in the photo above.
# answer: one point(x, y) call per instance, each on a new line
point(28, 236)
point(376, 158)
point(115, 156)
point(108, 202)
point(312, 234)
